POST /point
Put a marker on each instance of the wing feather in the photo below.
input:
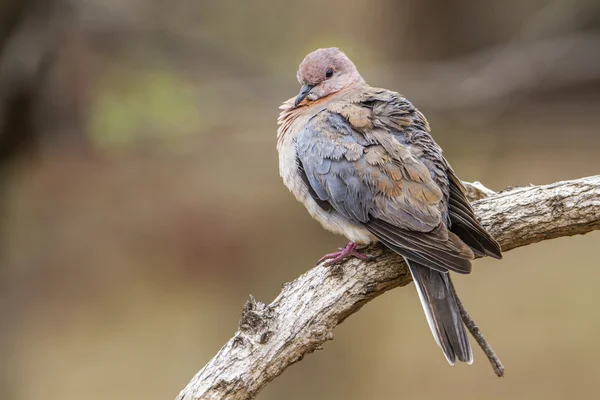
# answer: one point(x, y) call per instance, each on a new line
point(464, 222)
point(373, 179)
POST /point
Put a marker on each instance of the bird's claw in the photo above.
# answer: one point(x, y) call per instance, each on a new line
point(342, 254)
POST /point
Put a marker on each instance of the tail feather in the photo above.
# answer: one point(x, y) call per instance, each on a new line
point(442, 312)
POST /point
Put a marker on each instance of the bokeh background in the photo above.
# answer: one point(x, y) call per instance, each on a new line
point(140, 201)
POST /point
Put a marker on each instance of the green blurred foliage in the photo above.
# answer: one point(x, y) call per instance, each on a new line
point(151, 105)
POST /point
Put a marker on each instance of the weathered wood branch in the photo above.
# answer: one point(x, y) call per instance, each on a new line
point(273, 337)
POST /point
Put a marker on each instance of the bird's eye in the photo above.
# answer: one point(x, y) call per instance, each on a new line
point(329, 73)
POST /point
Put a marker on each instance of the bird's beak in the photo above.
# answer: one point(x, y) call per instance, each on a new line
point(304, 91)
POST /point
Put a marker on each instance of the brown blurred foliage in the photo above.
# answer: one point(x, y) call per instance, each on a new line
point(141, 203)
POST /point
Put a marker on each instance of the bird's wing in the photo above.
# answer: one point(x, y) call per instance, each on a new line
point(403, 122)
point(351, 162)
point(464, 223)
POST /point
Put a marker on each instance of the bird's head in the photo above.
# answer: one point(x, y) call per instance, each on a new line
point(323, 72)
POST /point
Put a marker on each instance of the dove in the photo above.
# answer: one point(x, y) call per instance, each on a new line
point(364, 164)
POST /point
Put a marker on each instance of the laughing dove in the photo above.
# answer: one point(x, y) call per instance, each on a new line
point(363, 163)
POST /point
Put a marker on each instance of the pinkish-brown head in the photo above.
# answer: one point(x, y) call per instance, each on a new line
point(325, 71)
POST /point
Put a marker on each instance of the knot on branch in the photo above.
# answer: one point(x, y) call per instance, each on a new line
point(476, 191)
point(320, 334)
point(557, 205)
point(256, 319)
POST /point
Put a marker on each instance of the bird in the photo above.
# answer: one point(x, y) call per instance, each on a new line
point(364, 164)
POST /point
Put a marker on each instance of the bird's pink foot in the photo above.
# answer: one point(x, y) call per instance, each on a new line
point(342, 254)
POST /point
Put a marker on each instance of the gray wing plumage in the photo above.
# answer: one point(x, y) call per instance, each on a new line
point(464, 223)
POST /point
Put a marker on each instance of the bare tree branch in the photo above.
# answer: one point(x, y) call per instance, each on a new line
point(474, 329)
point(273, 337)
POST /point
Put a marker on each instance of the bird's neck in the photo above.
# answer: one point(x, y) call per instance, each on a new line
point(307, 109)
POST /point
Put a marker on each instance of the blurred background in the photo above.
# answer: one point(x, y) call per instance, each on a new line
point(141, 205)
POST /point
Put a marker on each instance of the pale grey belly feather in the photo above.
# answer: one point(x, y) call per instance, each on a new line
point(330, 220)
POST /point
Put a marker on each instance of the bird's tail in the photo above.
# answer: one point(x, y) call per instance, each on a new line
point(442, 312)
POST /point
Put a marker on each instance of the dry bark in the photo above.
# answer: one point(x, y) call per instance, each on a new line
point(272, 337)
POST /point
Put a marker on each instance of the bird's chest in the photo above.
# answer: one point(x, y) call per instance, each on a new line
point(330, 220)
point(289, 172)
